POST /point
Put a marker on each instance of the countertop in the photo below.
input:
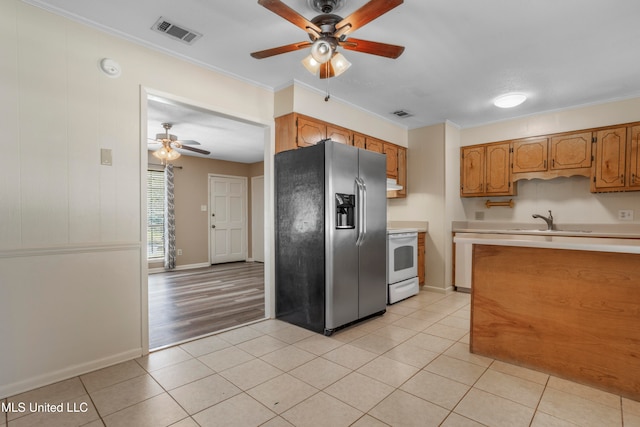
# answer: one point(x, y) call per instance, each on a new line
point(552, 241)
point(619, 231)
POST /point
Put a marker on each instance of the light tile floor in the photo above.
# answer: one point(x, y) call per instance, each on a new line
point(410, 367)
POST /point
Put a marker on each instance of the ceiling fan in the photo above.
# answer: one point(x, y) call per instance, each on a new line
point(170, 142)
point(328, 31)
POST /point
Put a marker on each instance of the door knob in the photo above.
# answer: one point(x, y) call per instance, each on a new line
point(213, 226)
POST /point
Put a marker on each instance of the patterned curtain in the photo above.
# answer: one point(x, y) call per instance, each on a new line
point(169, 221)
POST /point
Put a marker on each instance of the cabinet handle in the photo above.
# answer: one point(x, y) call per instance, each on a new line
point(545, 164)
point(633, 178)
point(553, 163)
point(622, 179)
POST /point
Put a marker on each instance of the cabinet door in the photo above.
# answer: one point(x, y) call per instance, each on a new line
point(472, 171)
point(359, 140)
point(421, 257)
point(571, 151)
point(338, 134)
point(633, 165)
point(402, 172)
point(391, 151)
point(310, 132)
point(610, 158)
point(498, 172)
point(376, 145)
point(530, 155)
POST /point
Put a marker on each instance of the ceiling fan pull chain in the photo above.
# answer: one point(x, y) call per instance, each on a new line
point(326, 98)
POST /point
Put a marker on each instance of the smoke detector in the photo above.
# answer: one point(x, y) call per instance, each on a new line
point(175, 31)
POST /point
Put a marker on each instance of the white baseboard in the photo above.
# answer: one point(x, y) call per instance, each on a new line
point(7, 390)
point(438, 290)
point(179, 267)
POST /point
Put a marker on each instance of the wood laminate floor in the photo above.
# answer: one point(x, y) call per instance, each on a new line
point(190, 303)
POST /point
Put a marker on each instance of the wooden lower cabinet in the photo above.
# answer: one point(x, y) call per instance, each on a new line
point(422, 237)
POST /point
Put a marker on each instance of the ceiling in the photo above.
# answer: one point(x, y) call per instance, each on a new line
point(459, 55)
point(226, 138)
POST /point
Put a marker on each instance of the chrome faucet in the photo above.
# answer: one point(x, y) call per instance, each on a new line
point(548, 220)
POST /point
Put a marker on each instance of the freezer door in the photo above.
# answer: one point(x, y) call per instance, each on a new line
point(300, 233)
point(341, 168)
point(372, 264)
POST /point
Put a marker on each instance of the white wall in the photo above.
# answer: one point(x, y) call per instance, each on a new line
point(72, 283)
point(425, 200)
point(568, 198)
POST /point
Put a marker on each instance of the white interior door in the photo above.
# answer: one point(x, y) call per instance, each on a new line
point(228, 215)
point(257, 218)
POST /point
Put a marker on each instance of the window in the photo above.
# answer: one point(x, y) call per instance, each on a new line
point(155, 214)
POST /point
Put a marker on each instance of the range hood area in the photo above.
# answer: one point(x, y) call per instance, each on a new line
point(392, 185)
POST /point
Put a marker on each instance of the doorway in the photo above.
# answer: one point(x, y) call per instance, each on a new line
point(196, 279)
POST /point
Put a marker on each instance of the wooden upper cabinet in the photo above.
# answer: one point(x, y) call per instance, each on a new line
point(472, 171)
point(611, 153)
point(295, 130)
point(530, 155)
point(402, 175)
point(359, 140)
point(391, 151)
point(310, 131)
point(546, 158)
point(373, 144)
point(486, 170)
point(571, 151)
point(497, 169)
point(633, 169)
point(338, 134)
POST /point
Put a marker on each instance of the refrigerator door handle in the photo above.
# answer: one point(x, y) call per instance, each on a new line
point(360, 209)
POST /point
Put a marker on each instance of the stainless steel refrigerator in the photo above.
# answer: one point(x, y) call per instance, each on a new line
point(330, 248)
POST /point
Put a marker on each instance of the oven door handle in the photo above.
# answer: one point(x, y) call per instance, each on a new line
point(362, 215)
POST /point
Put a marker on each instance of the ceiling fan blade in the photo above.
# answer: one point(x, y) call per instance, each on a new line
point(195, 150)
point(278, 50)
point(374, 48)
point(189, 142)
point(364, 15)
point(284, 11)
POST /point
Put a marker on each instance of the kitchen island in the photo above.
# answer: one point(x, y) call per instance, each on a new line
point(565, 305)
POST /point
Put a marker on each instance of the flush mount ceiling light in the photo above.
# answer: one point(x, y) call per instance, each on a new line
point(510, 100)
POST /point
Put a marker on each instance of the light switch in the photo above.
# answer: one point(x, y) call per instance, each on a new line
point(105, 156)
point(203, 208)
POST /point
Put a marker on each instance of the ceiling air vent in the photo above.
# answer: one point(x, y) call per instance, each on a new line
point(402, 114)
point(175, 31)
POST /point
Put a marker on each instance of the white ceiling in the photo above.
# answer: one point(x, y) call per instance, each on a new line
point(459, 54)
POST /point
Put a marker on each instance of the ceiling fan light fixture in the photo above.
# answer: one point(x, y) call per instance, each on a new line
point(510, 100)
point(311, 65)
point(340, 64)
point(321, 51)
point(165, 154)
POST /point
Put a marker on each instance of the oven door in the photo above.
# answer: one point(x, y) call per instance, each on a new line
point(403, 257)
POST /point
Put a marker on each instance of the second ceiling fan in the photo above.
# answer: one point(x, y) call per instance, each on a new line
point(328, 31)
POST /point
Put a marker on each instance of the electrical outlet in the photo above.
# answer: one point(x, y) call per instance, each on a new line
point(179, 251)
point(625, 215)
point(479, 215)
